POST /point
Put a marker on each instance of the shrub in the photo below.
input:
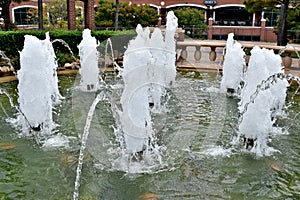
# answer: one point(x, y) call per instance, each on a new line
point(11, 42)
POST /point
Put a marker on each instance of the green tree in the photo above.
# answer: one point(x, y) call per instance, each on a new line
point(104, 14)
point(4, 4)
point(132, 15)
point(293, 16)
point(254, 6)
point(129, 15)
point(257, 6)
point(192, 20)
point(57, 14)
point(32, 16)
point(190, 16)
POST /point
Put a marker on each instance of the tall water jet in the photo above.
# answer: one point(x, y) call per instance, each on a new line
point(89, 70)
point(233, 67)
point(149, 67)
point(51, 64)
point(38, 86)
point(257, 106)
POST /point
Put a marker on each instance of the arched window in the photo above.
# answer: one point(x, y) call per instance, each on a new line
point(25, 15)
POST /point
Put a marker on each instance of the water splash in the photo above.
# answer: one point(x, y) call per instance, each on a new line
point(233, 67)
point(66, 45)
point(258, 116)
point(38, 87)
point(51, 65)
point(149, 67)
point(10, 99)
point(89, 70)
point(262, 99)
point(100, 97)
point(4, 57)
point(144, 84)
point(108, 46)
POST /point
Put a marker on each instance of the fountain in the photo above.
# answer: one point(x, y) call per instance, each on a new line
point(233, 66)
point(145, 82)
point(258, 113)
point(147, 135)
point(38, 86)
point(144, 85)
point(89, 62)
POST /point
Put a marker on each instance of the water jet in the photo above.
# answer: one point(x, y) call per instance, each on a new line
point(194, 124)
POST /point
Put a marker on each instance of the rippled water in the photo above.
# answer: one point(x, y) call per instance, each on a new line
point(198, 161)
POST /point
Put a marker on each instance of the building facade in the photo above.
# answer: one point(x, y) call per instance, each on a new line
point(222, 16)
point(225, 16)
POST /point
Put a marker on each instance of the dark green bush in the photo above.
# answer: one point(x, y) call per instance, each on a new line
point(11, 42)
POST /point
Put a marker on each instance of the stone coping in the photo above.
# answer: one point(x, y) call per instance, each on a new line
point(207, 43)
point(295, 71)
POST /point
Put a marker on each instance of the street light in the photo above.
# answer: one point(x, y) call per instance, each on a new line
point(40, 14)
point(162, 12)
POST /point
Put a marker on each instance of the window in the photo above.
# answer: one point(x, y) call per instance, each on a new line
point(25, 16)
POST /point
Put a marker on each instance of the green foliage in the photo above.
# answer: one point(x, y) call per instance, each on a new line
point(57, 15)
point(254, 6)
point(293, 23)
point(105, 14)
point(129, 15)
point(190, 16)
point(11, 42)
point(192, 20)
point(293, 17)
point(32, 16)
point(132, 15)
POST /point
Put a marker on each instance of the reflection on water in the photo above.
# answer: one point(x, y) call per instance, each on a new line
point(199, 161)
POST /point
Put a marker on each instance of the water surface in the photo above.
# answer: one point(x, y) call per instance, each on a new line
point(195, 130)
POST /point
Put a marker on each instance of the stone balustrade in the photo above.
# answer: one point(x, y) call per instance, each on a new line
point(199, 54)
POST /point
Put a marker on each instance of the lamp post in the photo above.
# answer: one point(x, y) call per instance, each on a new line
point(282, 27)
point(117, 15)
point(162, 12)
point(40, 14)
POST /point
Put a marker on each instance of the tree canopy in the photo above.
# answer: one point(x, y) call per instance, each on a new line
point(190, 16)
point(129, 15)
point(293, 17)
point(254, 6)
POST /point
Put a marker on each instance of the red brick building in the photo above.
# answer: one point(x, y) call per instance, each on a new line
point(223, 16)
point(19, 13)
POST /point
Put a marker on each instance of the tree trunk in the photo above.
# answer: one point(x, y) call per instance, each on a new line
point(117, 15)
point(5, 12)
point(282, 27)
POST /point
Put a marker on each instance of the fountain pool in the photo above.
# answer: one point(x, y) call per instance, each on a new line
point(198, 161)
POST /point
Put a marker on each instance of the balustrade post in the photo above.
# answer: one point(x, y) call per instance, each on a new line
point(197, 54)
point(183, 55)
point(287, 61)
point(212, 54)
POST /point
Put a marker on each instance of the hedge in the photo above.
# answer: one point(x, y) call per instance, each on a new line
point(11, 42)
